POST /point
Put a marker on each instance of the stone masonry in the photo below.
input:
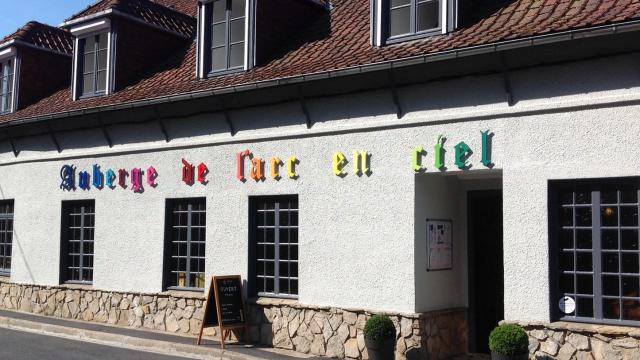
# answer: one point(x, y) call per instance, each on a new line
point(283, 324)
point(568, 341)
point(338, 333)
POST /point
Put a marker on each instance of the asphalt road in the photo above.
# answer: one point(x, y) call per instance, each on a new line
point(18, 345)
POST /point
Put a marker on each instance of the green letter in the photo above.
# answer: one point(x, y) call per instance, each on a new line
point(462, 150)
point(438, 153)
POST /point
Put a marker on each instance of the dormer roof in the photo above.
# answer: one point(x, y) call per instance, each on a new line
point(161, 14)
point(339, 43)
point(42, 36)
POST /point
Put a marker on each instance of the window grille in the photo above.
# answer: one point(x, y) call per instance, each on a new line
point(186, 237)
point(93, 65)
point(596, 250)
point(275, 246)
point(6, 85)
point(227, 34)
point(6, 235)
point(78, 240)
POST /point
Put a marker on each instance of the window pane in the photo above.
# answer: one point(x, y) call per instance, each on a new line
point(101, 81)
point(629, 239)
point(584, 261)
point(584, 284)
point(428, 15)
point(88, 63)
point(610, 239)
point(629, 196)
point(566, 261)
point(610, 262)
point(583, 216)
point(609, 216)
point(87, 84)
point(567, 284)
point(219, 10)
point(583, 239)
point(89, 44)
point(630, 286)
point(237, 30)
point(611, 308)
point(609, 196)
point(630, 263)
point(218, 59)
point(566, 239)
point(396, 3)
point(219, 35)
point(237, 8)
point(631, 310)
point(400, 21)
point(102, 60)
point(236, 57)
point(629, 216)
point(567, 216)
point(610, 285)
point(584, 307)
point(583, 197)
point(102, 45)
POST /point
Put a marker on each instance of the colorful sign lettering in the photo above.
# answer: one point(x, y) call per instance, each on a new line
point(152, 174)
point(486, 151)
point(240, 164)
point(292, 162)
point(122, 178)
point(416, 158)
point(438, 162)
point(339, 162)
point(202, 173)
point(275, 167)
point(83, 180)
point(462, 153)
point(67, 176)
point(110, 177)
point(136, 180)
point(97, 177)
point(187, 172)
point(257, 169)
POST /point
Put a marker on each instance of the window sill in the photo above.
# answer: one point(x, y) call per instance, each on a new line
point(271, 301)
point(592, 328)
point(398, 39)
point(78, 286)
point(186, 293)
point(4, 277)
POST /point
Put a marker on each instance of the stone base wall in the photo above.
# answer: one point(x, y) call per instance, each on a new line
point(338, 333)
point(165, 312)
point(282, 324)
point(566, 341)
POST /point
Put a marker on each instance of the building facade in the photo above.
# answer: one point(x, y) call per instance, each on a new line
point(450, 164)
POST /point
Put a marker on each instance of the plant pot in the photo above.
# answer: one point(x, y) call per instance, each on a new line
point(496, 356)
point(380, 350)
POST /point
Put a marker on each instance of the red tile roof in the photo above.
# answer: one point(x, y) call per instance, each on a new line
point(163, 13)
point(346, 44)
point(43, 36)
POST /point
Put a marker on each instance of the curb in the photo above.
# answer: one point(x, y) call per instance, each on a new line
point(123, 341)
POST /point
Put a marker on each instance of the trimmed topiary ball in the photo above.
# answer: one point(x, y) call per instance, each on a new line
point(509, 339)
point(379, 328)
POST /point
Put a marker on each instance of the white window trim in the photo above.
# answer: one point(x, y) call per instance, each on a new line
point(83, 32)
point(202, 31)
point(11, 54)
point(448, 20)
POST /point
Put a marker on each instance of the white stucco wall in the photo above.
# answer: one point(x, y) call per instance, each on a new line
point(358, 235)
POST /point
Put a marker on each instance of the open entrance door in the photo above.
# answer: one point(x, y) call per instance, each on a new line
point(486, 282)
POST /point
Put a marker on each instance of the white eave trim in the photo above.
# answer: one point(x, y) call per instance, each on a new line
point(7, 53)
point(96, 26)
point(83, 19)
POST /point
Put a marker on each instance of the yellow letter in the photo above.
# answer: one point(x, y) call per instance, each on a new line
point(339, 161)
point(361, 162)
point(275, 167)
point(291, 167)
point(416, 158)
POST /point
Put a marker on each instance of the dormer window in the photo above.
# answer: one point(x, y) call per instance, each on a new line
point(412, 17)
point(93, 49)
point(402, 20)
point(7, 68)
point(93, 65)
point(223, 37)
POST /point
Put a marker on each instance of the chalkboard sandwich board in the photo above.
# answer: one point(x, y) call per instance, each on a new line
point(224, 306)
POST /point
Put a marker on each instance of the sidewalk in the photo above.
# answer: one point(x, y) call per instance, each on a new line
point(143, 340)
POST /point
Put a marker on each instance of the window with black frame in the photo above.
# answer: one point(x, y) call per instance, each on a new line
point(6, 85)
point(275, 245)
point(413, 17)
point(93, 65)
point(596, 250)
point(226, 34)
point(6, 236)
point(185, 243)
point(78, 231)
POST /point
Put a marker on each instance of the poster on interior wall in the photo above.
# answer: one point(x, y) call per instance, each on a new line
point(439, 245)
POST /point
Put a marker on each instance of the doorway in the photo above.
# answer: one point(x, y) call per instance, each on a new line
point(486, 281)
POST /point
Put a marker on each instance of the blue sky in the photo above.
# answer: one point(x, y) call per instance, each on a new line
point(51, 12)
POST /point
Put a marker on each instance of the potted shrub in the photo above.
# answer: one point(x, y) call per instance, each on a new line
point(380, 338)
point(509, 342)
